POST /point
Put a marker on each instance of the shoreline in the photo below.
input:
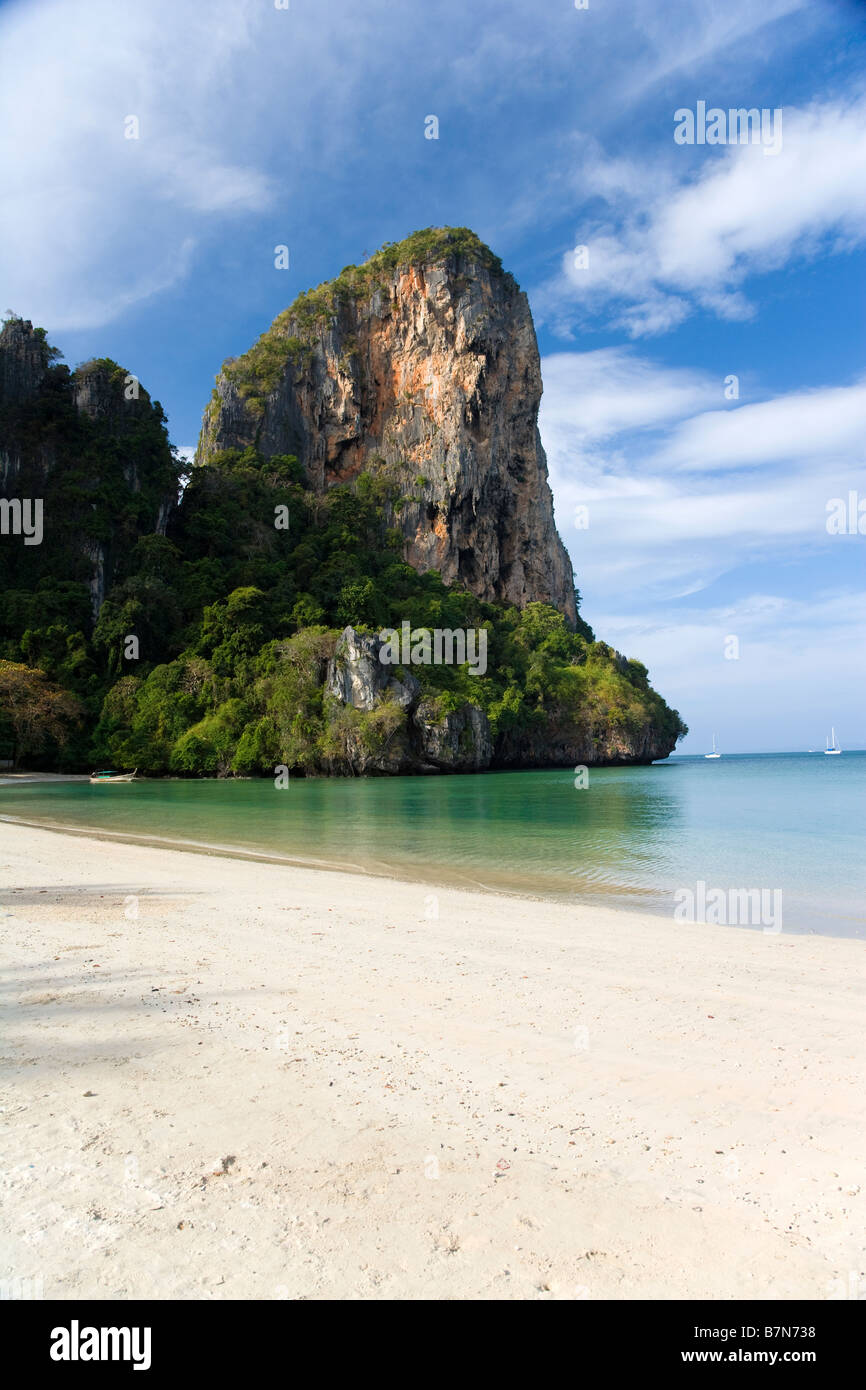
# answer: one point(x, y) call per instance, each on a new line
point(423, 874)
point(429, 770)
point(239, 1080)
point(617, 897)
point(11, 779)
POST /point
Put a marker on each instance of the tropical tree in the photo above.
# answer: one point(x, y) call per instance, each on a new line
point(34, 710)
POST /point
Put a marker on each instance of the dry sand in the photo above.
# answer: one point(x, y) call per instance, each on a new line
point(284, 1083)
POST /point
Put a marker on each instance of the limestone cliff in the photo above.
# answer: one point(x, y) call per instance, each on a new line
point(421, 364)
point(92, 446)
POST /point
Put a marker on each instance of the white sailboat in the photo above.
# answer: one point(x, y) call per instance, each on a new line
point(714, 754)
point(831, 744)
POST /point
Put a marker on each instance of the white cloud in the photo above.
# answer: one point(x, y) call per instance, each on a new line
point(596, 395)
point(678, 495)
point(671, 245)
point(702, 34)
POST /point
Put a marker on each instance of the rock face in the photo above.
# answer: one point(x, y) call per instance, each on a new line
point(23, 361)
point(422, 365)
point(422, 737)
point(454, 741)
point(118, 405)
point(563, 743)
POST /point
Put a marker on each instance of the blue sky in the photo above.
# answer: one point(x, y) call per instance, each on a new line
point(305, 127)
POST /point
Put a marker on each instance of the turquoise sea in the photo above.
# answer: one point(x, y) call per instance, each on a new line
point(633, 837)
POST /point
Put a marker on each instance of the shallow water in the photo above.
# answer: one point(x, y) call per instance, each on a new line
point(788, 823)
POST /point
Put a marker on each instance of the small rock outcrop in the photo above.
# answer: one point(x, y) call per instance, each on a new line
point(357, 677)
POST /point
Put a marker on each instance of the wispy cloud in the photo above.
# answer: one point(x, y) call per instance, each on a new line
point(92, 222)
point(704, 35)
point(826, 425)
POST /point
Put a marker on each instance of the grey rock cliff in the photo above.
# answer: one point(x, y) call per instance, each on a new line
point(357, 677)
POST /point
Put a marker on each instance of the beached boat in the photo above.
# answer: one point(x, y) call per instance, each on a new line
point(108, 776)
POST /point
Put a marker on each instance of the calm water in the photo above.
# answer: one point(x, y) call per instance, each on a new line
point(794, 822)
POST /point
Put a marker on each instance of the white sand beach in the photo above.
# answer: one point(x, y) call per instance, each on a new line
point(229, 1079)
